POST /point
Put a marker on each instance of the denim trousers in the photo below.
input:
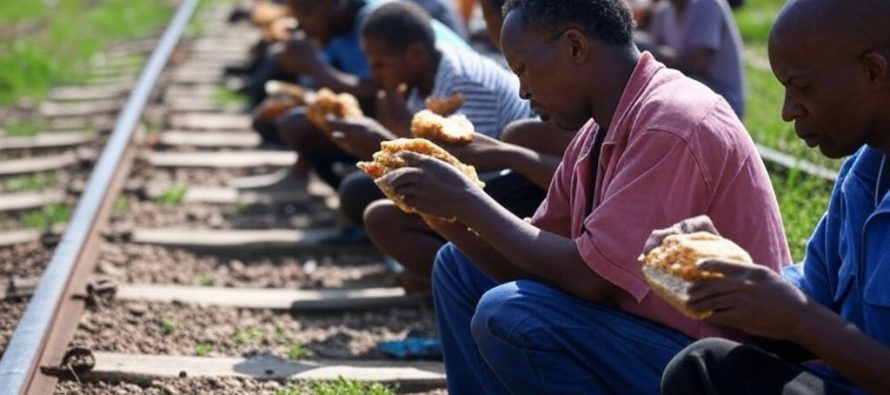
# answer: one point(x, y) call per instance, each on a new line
point(525, 337)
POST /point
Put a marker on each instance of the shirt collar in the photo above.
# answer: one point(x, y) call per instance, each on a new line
point(639, 80)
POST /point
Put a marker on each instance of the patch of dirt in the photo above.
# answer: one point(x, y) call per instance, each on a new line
point(152, 328)
point(147, 264)
point(210, 386)
point(24, 260)
point(11, 311)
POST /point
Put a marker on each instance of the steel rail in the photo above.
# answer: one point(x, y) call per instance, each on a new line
point(28, 344)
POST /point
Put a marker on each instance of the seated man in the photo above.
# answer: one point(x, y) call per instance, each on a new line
point(700, 38)
point(341, 66)
point(529, 147)
point(559, 304)
point(834, 60)
point(402, 50)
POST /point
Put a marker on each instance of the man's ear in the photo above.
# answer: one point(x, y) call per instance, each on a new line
point(877, 69)
point(577, 44)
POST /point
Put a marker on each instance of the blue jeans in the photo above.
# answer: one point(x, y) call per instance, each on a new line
point(524, 337)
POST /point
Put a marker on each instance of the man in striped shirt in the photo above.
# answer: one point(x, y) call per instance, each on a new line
point(402, 50)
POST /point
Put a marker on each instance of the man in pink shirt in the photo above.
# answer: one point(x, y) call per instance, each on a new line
point(558, 304)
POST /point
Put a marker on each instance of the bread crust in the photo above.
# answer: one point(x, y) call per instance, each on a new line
point(673, 266)
point(387, 159)
point(455, 129)
point(445, 105)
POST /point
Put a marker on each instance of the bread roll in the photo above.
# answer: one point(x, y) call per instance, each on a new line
point(671, 267)
point(387, 159)
point(446, 105)
point(327, 102)
point(456, 129)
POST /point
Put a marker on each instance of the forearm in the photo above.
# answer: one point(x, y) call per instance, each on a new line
point(339, 81)
point(855, 355)
point(537, 167)
point(489, 260)
point(544, 255)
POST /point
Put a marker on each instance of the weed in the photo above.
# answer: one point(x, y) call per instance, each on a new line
point(168, 326)
point(121, 205)
point(248, 336)
point(30, 183)
point(204, 280)
point(47, 216)
point(203, 349)
point(340, 386)
point(297, 351)
point(24, 128)
point(172, 196)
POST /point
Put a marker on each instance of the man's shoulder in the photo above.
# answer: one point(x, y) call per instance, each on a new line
point(681, 105)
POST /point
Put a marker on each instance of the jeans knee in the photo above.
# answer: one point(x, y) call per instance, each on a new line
point(446, 259)
point(493, 307)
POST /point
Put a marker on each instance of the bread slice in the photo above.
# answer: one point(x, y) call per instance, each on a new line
point(387, 159)
point(671, 268)
point(456, 129)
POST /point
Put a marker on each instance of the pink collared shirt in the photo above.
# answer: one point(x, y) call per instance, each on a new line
point(674, 150)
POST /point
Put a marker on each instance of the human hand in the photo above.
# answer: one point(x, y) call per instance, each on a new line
point(701, 223)
point(751, 298)
point(392, 109)
point(432, 186)
point(359, 137)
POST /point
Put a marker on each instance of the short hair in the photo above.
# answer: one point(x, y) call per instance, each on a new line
point(609, 21)
point(399, 25)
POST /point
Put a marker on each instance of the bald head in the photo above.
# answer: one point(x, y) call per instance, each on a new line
point(849, 25)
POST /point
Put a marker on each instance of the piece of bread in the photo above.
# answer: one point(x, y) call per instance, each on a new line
point(387, 159)
point(671, 267)
point(446, 105)
point(455, 129)
point(327, 102)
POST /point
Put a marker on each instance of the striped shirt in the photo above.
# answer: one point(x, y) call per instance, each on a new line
point(491, 93)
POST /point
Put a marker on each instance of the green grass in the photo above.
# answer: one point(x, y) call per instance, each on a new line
point(203, 349)
point(47, 216)
point(341, 386)
point(225, 96)
point(204, 280)
point(297, 351)
point(30, 183)
point(802, 201)
point(46, 46)
point(24, 128)
point(172, 196)
point(248, 336)
point(121, 205)
point(168, 326)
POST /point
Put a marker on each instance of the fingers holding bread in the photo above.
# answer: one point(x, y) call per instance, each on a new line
point(343, 105)
point(681, 259)
point(390, 158)
point(446, 105)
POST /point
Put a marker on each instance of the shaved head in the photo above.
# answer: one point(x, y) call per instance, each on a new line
point(850, 25)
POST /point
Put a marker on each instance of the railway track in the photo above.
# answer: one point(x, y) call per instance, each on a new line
point(172, 277)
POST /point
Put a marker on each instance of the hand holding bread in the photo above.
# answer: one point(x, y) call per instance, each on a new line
point(411, 171)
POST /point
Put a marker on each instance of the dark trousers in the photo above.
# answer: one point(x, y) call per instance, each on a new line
point(719, 366)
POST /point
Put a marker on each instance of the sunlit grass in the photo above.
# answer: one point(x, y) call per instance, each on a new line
point(47, 46)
